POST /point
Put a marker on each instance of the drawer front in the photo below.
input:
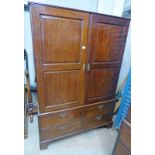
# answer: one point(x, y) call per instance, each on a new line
point(58, 131)
point(103, 108)
point(125, 135)
point(59, 118)
point(97, 120)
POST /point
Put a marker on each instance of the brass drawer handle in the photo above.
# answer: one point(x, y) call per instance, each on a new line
point(63, 115)
point(98, 118)
point(100, 106)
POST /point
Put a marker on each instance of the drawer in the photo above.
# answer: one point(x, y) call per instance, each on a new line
point(103, 108)
point(97, 120)
point(125, 134)
point(59, 118)
point(59, 131)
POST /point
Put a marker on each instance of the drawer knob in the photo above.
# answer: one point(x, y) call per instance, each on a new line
point(62, 115)
point(100, 106)
point(98, 118)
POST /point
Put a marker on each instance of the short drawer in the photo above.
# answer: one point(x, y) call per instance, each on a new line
point(59, 131)
point(97, 120)
point(103, 108)
point(58, 118)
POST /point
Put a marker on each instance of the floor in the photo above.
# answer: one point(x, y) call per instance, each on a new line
point(95, 142)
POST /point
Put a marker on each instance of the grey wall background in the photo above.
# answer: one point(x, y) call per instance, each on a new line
point(111, 7)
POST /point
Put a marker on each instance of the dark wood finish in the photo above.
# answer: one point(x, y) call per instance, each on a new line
point(85, 127)
point(73, 97)
point(57, 124)
point(61, 130)
point(57, 131)
point(47, 120)
point(125, 135)
point(107, 39)
point(43, 146)
point(106, 46)
point(98, 119)
point(99, 109)
point(123, 19)
point(59, 118)
point(101, 84)
point(121, 150)
point(59, 57)
point(123, 142)
point(62, 89)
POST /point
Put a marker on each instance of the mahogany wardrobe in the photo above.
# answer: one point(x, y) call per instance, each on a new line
point(78, 56)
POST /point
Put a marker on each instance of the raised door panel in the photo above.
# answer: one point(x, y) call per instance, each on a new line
point(61, 39)
point(101, 83)
point(108, 42)
point(106, 46)
point(108, 36)
point(62, 89)
point(58, 37)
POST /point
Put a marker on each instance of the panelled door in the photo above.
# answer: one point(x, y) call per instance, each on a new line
point(59, 40)
point(107, 42)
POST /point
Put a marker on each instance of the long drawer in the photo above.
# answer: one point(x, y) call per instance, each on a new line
point(60, 130)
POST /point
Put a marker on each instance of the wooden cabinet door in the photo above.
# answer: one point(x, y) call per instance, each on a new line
point(59, 37)
point(107, 36)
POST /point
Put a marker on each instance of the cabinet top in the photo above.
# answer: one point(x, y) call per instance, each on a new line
point(90, 12)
